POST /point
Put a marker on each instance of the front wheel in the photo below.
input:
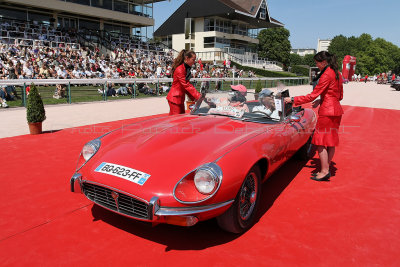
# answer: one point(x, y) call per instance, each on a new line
point(241, 215)
point(307, 151)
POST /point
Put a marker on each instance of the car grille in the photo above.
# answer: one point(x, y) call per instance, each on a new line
point(127, 205)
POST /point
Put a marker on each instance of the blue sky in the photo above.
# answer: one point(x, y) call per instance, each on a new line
point(308, 20)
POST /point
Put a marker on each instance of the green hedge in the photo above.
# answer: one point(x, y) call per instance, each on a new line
point(300, 70)
point(264, 73)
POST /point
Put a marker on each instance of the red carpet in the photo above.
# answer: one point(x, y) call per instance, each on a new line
point(352, 220)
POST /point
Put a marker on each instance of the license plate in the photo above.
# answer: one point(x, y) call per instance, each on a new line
point(123, 172)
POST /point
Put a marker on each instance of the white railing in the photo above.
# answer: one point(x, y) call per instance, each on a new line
point(241, 59)
point(22, 82)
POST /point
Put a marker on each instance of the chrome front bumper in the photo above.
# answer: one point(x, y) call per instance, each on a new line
point(156, 211)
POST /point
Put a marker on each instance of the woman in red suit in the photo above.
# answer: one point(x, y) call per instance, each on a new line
point(330, 90)
point(180, 84)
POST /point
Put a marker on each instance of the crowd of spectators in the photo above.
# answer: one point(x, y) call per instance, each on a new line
point(380, 78)
point(30, 56)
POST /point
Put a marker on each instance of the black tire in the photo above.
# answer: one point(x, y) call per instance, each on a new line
point(242, 214)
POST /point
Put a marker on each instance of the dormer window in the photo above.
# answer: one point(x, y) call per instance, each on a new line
point(263, 10)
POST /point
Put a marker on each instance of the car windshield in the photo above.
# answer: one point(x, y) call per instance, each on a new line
point(240, 106)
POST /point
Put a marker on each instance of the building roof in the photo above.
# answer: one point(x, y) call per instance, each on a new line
point(240, 10)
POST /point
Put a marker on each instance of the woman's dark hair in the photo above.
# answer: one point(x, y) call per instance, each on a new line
point(330, 59)
point(181, 58)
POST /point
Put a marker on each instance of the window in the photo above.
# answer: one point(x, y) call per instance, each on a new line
point(209, 42)
point(263, 10)
point(92, 25)
point(121, 6)
point(188, 30)
point(106, 4)
point(82, 2)
point(13, 13)
point(206, 25)
point(212, 25)
point(39, 17)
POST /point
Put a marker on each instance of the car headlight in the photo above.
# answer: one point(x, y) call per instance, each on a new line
point(205, 180)
point(88, 151)
point(199, 185)
point(208, 178)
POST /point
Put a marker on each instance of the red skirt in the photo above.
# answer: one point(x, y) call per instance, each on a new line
point(326, 131)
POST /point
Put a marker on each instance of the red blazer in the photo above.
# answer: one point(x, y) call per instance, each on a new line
point(180, 87)
point(331, 92)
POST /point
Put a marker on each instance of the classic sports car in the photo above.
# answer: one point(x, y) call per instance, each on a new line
point(187, 168)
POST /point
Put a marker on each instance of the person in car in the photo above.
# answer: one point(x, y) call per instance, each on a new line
point(237, 99)
point(266, 98)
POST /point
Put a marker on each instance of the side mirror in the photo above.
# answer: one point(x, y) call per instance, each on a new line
point(294, 118)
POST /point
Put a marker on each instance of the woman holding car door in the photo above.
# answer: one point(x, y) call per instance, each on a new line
point(330, 90)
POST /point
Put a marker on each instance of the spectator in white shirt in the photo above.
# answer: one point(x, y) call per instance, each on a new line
point(267, 106)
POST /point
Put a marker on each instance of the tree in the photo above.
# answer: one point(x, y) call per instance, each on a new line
point(295, 59)
point(274, 44)
point(309, 60)
point(339, 46)
point(34, 109)
point(373, 56)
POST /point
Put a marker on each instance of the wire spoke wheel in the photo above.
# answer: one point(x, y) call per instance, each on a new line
point(242, 214)
point(248, 196)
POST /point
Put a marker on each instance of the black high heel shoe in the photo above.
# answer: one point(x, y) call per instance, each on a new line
point(325, 178)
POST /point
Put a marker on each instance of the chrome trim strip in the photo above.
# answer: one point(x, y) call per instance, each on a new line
point(96, 143)
point(76, 183)
point(170, 211)
point(154, 206)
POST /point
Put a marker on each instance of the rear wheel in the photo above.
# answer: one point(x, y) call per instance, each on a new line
point(241, 215)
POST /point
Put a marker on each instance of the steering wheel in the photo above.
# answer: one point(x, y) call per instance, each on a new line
point(262, 113)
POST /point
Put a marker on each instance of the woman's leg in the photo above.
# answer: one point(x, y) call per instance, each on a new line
point(331, 153)
point(323, 157)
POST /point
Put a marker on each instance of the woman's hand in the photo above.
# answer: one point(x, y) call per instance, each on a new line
point(316, 103)
point(287, 100)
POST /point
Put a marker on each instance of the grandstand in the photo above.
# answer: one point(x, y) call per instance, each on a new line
point(101, 23)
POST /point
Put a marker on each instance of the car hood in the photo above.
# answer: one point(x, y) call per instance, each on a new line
point(170, 147)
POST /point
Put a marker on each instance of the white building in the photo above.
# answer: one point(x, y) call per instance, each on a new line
point(214, 28)
point(323, 45)
point(303, 51)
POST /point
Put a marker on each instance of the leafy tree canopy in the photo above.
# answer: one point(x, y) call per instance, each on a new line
point(274, 44)
point(373, 56)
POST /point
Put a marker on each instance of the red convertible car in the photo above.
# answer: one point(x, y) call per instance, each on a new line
point(187, 168)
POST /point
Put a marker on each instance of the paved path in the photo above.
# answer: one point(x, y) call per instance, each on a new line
point(13, 120)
